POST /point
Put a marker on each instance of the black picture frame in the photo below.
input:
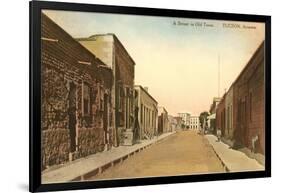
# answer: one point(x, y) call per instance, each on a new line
point(35, 8)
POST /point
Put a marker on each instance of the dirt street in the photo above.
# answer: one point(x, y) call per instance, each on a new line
point(182, 153)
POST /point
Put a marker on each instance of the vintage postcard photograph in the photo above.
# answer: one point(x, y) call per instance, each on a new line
point(133, 96)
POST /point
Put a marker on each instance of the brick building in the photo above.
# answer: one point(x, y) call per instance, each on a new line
point(212, 116)
point(163, 120)
point(147, 115)
point(213, 107)
point(241, 112)
point(110, 50)
point(229, 130)
point(76, 91)
point(248, 100)
point(220, 116)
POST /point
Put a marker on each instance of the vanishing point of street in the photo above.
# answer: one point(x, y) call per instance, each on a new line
point(185, 152)
point(101, 121)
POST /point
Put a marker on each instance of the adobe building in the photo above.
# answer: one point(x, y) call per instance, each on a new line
point(163, 121)
point(110, 50)
point(76, 92)
point(147, 115)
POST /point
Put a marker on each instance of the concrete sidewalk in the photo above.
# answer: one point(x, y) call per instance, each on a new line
point(84, 168)
point(233, 160)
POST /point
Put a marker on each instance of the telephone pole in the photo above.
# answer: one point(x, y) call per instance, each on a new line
point(219, 75)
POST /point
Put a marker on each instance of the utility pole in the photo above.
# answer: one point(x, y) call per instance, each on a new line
point(219, 75)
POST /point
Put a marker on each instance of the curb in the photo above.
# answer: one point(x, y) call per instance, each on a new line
point(114, 162)
point(223, 164)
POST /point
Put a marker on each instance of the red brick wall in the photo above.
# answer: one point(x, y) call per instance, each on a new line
point(249, 90)
point(220, 116)
point(125, 68)
point(248, 103)
point(124, 77)
point(256, 122)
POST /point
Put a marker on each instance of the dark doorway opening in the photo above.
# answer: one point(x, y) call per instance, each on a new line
point(72, 116)
point(105, 119)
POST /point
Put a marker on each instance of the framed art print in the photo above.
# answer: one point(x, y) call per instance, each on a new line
point(125, 96)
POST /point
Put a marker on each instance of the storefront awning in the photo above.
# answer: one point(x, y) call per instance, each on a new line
point(212, 116)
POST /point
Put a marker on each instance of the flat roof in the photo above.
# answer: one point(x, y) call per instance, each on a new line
point(91, 38)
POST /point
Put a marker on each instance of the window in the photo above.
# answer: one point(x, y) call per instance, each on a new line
point(131, 101)
point(231, 117)
point(101, 99)
point(141, 113)
point(86, 99)
point(120, 98)
point(250, 106)
point(228, 117)
point(246, 108)
point(239, 111)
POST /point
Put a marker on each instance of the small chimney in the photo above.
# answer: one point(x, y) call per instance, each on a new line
point(146, 88)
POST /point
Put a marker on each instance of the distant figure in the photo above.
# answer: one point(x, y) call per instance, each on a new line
point(219, 134)
point(204, 126)
point(254, 142)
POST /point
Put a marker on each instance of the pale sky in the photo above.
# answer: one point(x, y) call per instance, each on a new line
point(178, 62)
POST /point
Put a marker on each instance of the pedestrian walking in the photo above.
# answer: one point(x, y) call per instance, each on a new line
point(204, 126)
point(254, 143)
point(219, 134)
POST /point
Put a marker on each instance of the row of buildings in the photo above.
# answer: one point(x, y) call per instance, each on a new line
point(189, 121)
point(89, 100)
point(240, 112)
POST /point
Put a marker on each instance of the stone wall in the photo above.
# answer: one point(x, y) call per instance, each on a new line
point(67, 64)
point(111, 51)
point(55, 147)
point(90, 141)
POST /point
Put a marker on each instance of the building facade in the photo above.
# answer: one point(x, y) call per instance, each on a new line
point(110, 50)
point(248, 99)
point(172, 123)
point(220, 116)
point(213, 107)
point(186, 119)
point(241, 112)
point(212, 116)
point(163, 120)
point(147, 113)
point(194, 122)
point(229, 129)
point(179, 122)
point(76, 92)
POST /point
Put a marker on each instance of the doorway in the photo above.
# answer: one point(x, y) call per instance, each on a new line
point(105, 120)
point(72, 116)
